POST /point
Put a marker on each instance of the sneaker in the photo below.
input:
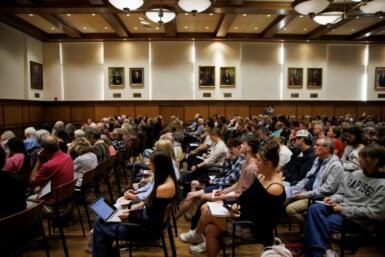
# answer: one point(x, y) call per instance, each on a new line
point(191, 238)
point(198, 249)
point(331, 253)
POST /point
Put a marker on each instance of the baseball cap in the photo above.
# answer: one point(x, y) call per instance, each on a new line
point(302, 133)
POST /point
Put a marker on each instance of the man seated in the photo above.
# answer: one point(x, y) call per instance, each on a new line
point(322, 180)
point(302, 160)
point(209, 162)
point(360, 199)
point(232, 172)
point(52, 165)
point(99, 147)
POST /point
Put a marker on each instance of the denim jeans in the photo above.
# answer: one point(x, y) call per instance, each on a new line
point(321, 223)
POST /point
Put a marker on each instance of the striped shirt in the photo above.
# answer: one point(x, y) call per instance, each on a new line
point(82, 164)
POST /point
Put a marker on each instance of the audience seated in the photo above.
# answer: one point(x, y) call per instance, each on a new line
point(261, 203)
point(163, 193)
point(322, 180)
point(354, 145)
point(4, 138)
point(99, 147)
point(30, 141)
point(17, 159)
point(334, 134)
point(360, 199)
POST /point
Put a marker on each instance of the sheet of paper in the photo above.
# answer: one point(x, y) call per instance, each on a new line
point(45, 190)
point(115, 218)
point(217, 210)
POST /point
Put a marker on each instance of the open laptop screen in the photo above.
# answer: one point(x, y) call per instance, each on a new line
point(102, 209)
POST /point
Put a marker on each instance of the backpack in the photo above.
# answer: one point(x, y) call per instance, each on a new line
point(276, 250)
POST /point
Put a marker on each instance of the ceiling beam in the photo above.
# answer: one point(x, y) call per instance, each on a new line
point(25, 2)
point(224, 24)
point(322, 30)
point(279, 23)
point(170, 28)
point(23, 26)
point(369, 31)
point(116, 24)
point(96, 2)
point(62, 25)
point(237, 2)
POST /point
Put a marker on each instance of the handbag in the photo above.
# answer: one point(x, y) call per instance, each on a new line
point(278, 249)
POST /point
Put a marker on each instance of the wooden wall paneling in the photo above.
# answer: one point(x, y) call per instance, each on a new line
point(217, 109)
point(1, 116)
point(105, 111)
point(285, 109)
point(149, 110)
point(55, 113)
point(168, 110)
point(13, 115)
point(323, 109)
point(257, 109)
point(383, 111)
point(36, 114)
point(339, 109)
point(369, 109)
point(26, 118)
point(242, 110)
point(191, 110)
point(81, 114)
point(304, 109)
point(128, 110)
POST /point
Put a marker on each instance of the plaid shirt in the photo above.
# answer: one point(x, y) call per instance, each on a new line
point(232, 173)
point(118, 145)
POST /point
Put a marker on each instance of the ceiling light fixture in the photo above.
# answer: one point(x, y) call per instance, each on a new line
point(160, 15)
point(31, 14)
point(374, 6)
point(194, 6)
point(328, 18)
point(310, 7)
point(126, 5)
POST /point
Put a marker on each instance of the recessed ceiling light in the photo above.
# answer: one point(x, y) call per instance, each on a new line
point(186, 27)
point(301, 16)
point(353, 30)
point(68, 14)
point(381, 17)
point(157, 28)
point(304, 29)
point(211, 14)
point(244, 15)
point(333, 29)
point(135, 28)
point(207, 27)
point(308, 41)
point(125, 39)
point(186, 13)
point(268, 16)
point(93, 14)
point(84, 28)
point(31, 14)
point(235, 28)
point(127, 14)
point(284, 28)
point(357, 17)
point(52, 28)
point(255, 28)
point(105, 27)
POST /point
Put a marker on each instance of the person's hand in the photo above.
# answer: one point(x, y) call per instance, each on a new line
point(137, 206)
point(337, 208)
point(205, 156)
point(123, 216)
point(235, 210)
point(299, 196)
point(195, 184)
point(193, 152)
point(329, 200)
point(129, 195)
point(193, 168)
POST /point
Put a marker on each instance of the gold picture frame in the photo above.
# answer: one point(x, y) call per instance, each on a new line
point(314, 78)
point(294, 77)
point(379, 79)
point(207, 77)
point(137, 77)
point(116, 77)
point(228, 76)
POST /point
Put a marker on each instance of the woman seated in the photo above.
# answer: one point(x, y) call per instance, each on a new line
point(261, 203)
point(17, 159)
point(360, 199)
point(163, 193)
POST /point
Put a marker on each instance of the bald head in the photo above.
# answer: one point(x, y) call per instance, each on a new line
point(50, 143)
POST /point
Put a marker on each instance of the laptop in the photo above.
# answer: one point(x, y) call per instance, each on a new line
point(105, 211)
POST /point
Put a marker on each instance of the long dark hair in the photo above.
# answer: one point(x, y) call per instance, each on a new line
point(16, 145)
point(163, 168)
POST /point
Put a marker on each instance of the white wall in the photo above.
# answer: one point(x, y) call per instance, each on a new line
point(79, 71)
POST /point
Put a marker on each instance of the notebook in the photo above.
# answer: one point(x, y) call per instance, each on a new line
point(105, 211)
point(217, 209)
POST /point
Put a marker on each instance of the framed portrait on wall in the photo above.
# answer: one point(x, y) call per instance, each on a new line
point(116, 76)
point(379, 79)
point(136, 77)
point(36, 75)
point(314, 78)
point(228, 77)
point(295, 77)
point(207, 76)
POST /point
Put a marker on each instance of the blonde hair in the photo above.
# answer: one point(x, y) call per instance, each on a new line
point(82, 145)
point(8, 134)
point(165, 145)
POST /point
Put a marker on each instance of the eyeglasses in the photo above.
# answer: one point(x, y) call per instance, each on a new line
point(320, 145)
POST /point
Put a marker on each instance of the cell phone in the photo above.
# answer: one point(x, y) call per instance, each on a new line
point(227, 206)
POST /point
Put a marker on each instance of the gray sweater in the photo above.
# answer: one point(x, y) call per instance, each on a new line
point(362, 197)
point(328, 178)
